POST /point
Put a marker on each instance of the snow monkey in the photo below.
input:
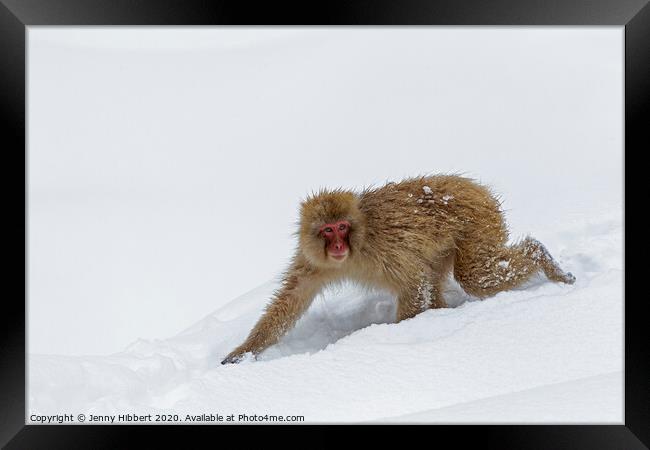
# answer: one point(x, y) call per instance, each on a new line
point(406, 238)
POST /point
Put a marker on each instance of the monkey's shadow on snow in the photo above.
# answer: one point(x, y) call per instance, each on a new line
point(342, 310)
point(347, 308)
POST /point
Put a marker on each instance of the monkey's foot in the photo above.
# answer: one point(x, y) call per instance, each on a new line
point(569, 278)
point(559, 276)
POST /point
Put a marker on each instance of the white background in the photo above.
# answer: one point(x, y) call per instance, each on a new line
point(165, 165)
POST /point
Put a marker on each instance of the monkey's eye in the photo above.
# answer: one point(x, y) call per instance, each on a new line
point(328, 230)
point(342, 227)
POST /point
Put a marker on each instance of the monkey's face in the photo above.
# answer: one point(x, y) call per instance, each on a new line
point(335, 237)
point(332, 229)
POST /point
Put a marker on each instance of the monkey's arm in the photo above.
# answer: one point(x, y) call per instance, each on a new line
point(299, 287)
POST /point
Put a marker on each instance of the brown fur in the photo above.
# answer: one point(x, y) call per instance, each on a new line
point(405, 237)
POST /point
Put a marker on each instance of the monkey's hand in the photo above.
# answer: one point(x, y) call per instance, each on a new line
point(236, 356)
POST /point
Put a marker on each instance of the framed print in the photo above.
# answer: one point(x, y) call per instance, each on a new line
point(365, 215)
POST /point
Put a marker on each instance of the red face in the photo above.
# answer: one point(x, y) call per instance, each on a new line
point(336, 239)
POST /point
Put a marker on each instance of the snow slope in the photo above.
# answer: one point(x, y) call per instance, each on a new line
point(545, 353)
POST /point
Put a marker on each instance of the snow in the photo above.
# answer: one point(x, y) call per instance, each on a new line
point(425, 293)
point(543, 353)
point(569, 402)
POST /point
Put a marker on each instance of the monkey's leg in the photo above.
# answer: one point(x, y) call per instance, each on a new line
point(483, 269)
point(289, 303)
point(422, 294)
point(536, 251)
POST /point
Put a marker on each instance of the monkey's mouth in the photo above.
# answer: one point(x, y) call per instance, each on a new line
point(339, 256)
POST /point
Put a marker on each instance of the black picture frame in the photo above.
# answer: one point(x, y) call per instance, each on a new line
point(16, 15)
